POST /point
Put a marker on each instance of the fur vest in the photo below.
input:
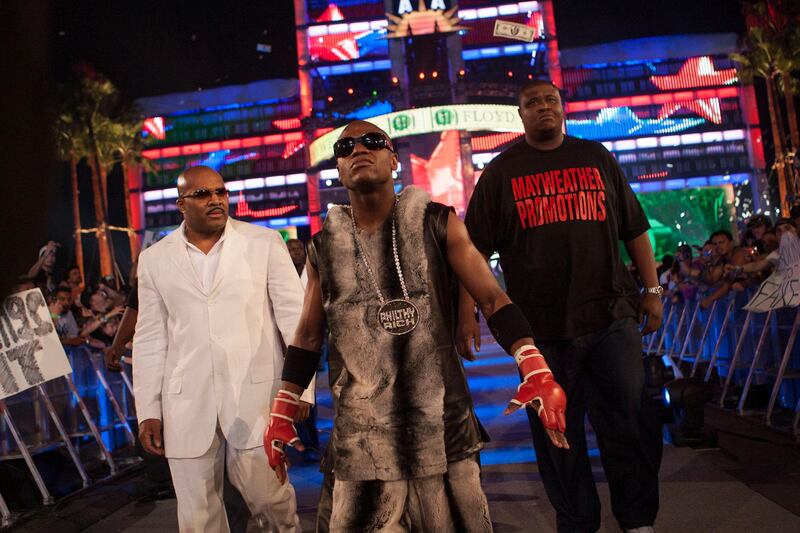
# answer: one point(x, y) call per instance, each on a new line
point(403, 409)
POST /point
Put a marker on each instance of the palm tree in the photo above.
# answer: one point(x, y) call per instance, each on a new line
point(71, 145)
point(773, 53)
point(82, 104)
point(123, 139)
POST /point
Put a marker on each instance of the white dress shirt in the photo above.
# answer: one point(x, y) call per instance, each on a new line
point(204, 265)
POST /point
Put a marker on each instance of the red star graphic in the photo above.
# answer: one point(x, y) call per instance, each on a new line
point(707, 108)
point(696, 72)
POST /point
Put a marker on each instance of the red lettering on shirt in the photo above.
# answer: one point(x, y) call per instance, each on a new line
point(518, 186)
point(583, 182)
point(601, 206)
point(560, 195)
point(529, 186)
point(599, 179)
point(523, 218)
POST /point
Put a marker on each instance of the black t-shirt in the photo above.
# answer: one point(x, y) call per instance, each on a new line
point(555, 218)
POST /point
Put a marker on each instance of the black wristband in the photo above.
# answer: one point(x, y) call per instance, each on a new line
point(508, 325)
point(299, 366)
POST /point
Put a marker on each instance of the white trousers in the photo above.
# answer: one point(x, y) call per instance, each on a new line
point(198, 487)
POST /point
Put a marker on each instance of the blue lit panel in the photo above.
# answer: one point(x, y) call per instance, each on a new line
point(617, 122)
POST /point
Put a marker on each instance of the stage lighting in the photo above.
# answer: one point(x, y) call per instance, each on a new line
point(510, 74)
point(330, 99)
point(686, 398)
point(434, 74)
point(422, 75)
point(395, 80)
point(350, 90)
point(656, 375)
point(462, 72)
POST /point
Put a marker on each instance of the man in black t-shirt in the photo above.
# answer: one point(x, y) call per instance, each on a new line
point(555, 207)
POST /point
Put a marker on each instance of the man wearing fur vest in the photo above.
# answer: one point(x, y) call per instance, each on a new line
point(382, 272)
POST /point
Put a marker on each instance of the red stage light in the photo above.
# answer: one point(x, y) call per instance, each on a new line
point(330, 99)
point(422, 75)
point(434, 74)
point(244, 210)
point(287, 123)
point(350, 90)
point(462, 72)
point(530, 76)
point(395, 81)
point(510, 74)
point(155, 127)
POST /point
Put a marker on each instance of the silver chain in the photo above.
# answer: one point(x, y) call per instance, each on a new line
point(363, 255)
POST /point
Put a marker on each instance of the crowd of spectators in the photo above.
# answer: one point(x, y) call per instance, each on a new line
point(90, 313)
point(722, 265)
point(83, 313)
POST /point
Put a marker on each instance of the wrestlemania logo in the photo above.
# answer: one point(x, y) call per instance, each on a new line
point(423, 20)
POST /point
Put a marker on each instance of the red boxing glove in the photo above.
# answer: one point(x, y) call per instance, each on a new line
point(539, 386)
point(281, 430)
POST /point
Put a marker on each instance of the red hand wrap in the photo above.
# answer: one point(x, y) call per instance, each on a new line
point(281, 427)
point(538, 385)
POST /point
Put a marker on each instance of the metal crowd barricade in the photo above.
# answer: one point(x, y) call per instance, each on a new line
point(49, 415)
point(716, 361)
point(783, 375)
point(741, 347)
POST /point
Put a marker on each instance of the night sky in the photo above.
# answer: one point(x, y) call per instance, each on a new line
point(149, 47)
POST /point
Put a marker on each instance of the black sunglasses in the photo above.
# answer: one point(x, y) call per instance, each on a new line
point(371, 141)
point(205, 194)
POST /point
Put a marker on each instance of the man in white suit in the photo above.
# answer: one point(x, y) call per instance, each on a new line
point(218, 300)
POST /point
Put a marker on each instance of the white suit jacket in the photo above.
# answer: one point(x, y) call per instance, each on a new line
point(202, 356)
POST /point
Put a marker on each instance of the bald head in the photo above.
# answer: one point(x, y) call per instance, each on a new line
point(193, 174)
point(364, 169)
point(360, 127)
point(203, 200)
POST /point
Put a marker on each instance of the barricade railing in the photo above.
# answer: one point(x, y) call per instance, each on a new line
point(737, 347)
point(87, 404)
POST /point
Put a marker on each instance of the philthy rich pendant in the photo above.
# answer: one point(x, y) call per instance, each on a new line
point(398, 317)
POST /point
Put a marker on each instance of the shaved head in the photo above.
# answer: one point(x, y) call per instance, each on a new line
point(203, 200)
point(362, 126)
point(191, 174)
point(363, 169)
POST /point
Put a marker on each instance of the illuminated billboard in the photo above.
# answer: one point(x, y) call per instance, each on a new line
point(470, 117)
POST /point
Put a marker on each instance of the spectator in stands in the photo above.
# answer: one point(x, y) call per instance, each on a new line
point(100, 314)
point(725, 253)
point(664, 269)
point(74, 281)
point(786, 230)
point(764, 238)
point(125, 331)
point(103, 336)
point(759, 225)
point(689, 270)
point(60, 303)
point(42, 270)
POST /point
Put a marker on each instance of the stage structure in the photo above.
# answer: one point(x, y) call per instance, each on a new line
point(442, 79)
